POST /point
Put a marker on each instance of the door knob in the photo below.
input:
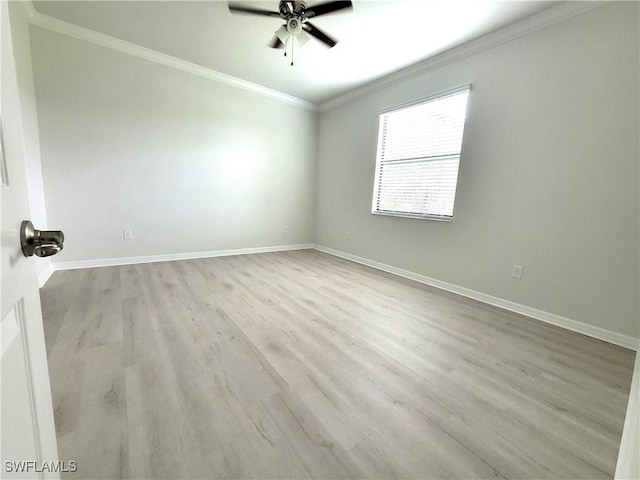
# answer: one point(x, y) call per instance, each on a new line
point(42, 243)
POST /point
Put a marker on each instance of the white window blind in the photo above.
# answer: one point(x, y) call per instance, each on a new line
point(418, 157)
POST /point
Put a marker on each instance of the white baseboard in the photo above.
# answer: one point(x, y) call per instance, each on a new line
point(45, 275)
point(628, 465)
point(574, 325)
point(112, 262)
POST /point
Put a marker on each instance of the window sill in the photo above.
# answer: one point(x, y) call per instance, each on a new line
point(419, 217)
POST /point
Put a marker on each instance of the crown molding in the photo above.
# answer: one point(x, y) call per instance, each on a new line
point(28, 10)
point(81, 33)
point(506, 34)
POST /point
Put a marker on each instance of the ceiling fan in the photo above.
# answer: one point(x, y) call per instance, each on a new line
point(296, 16)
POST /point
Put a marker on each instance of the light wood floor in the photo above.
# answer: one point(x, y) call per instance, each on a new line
point(304, 365)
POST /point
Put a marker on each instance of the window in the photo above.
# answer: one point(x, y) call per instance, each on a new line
point(418, 157)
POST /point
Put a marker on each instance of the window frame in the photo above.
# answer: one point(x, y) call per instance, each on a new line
point(376, 178)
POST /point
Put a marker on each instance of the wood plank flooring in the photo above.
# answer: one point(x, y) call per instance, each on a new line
point(303, 365)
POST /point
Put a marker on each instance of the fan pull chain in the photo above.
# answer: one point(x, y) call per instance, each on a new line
point(289, 41)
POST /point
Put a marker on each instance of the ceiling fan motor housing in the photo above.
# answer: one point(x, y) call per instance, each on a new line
point(289, 8)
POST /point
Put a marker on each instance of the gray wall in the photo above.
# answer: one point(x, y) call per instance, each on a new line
point(190, 165)
point(548, 176)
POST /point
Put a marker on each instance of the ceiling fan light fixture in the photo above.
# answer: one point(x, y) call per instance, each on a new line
point(283, 34)
point(302, 38)
point(294, 25)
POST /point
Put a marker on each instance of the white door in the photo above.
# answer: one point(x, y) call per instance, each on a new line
point(28, 443)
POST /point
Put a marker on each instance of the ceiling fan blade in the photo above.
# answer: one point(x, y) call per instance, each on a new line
point(238, 8)
point(276, 43)
point(324, 8)
point(319, 34)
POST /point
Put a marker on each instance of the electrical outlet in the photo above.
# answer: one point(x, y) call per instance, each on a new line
point(348, 234)
point(285, 228)
point(516, 271)
point(127, 234)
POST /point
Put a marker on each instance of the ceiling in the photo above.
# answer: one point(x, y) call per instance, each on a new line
point(376, 38)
